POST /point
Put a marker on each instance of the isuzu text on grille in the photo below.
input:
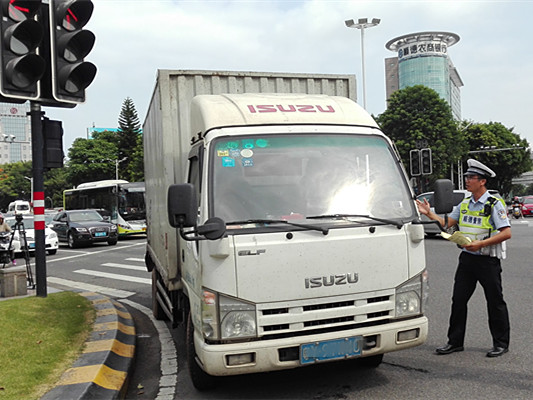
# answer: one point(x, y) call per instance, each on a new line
point(341, 279)
point(264, 108)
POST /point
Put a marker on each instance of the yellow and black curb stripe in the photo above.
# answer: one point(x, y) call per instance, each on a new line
point(102, 369)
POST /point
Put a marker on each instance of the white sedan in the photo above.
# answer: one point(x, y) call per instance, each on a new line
point(26, 225)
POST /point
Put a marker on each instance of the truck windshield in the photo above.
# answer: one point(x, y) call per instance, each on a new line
point(306, 175)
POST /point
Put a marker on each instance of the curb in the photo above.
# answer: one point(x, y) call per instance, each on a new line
point(101, 371)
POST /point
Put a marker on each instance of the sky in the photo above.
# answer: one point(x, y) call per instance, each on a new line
point(135, 38)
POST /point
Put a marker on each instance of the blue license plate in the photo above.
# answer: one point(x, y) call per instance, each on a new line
point(331, 350)
point(100, 234)
point(31, 245)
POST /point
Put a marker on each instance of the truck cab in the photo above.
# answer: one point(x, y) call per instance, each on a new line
point(299, 237)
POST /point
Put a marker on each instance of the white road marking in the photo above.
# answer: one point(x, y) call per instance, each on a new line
point(90, 288)
point(115, 276)
point(126, 266)
point(135, 259)
point(169, 356)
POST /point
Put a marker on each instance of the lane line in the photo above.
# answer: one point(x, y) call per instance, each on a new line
point(90, 288)
point(113, 248)
point(169, 354)
point(126, 266)
point(114, 276)
point(135, 259)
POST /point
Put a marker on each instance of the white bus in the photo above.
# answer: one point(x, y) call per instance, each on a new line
point(121, 201)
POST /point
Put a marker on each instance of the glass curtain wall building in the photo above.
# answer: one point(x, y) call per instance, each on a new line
point(15, 132)
point(422, 59)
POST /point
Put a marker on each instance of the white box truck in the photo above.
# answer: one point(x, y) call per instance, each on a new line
point(281, 226)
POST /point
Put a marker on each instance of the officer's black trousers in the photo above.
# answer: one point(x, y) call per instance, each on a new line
point(487, 271)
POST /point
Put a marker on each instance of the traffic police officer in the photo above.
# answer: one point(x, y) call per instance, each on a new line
point(483, 219)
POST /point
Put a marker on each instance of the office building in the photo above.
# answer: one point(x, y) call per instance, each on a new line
point(422, 59)
point(15, 132)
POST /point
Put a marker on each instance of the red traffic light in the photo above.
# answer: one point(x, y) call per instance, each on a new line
point(20, 10)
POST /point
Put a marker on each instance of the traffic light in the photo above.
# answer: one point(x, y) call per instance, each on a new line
point(414, 157)
point(69, 45)
point(21, 67)
point(53, 143)
point(427, 165)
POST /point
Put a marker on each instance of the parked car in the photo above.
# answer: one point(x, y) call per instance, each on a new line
point(78, 227)
point(50, 237)
point(458, 196)
point(527, 206)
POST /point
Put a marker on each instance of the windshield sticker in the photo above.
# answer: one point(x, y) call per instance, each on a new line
point(247, 153)
point(261, 143)
point(247, 162)
point(235, 153)
point(248, 143)
point(228, 162)
point(222, 153)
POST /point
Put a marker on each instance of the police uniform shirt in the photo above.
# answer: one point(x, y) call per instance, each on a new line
point(498, 218)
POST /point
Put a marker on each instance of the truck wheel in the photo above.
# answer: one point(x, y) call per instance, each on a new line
point(371, 362)
point(157, 310)
point(200, 379)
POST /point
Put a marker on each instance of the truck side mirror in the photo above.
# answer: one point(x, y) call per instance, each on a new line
point(443, 196)
point(182, 206)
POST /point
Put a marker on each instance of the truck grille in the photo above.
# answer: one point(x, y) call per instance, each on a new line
point(328, 314)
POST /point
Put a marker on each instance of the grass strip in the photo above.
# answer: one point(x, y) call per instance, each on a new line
point(40, 337)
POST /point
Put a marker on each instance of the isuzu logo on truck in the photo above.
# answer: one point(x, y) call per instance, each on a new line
point(266, 108)
point(340, 279)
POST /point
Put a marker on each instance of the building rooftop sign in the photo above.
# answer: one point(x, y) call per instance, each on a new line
point(422, 44)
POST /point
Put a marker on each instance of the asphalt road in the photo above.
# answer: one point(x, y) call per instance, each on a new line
point(413, 374)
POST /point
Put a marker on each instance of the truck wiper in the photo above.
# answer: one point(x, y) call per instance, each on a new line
point(385, 221)
point(324, 231)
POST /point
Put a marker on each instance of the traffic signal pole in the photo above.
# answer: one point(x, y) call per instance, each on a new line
point(37, 144)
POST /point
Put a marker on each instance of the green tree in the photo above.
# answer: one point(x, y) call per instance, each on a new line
point(502, 149)
point(129, 132)
point(13, 184)
point(55, 182)
point(417, 117)
point(92, 159)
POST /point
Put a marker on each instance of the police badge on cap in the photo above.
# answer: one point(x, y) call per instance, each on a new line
point(477, 168)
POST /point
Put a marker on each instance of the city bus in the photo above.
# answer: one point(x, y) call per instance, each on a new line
point(121, 201)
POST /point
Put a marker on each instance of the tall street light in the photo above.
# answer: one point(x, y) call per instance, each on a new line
point(362, 23)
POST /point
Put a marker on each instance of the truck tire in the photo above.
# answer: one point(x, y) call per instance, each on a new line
point(371, 362)
point(200, 379)
point(157, 310)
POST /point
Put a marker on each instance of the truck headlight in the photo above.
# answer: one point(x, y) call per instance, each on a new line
point(237, 319)
point(226, 317)
point(411, 297)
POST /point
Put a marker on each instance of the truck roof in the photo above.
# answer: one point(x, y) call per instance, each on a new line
point(215, 111)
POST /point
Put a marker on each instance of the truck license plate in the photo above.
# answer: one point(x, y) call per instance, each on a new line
point(331, 350)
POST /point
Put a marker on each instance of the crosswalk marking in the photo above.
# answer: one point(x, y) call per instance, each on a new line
point(90, 288)
point(127, 266)
point(115, 276)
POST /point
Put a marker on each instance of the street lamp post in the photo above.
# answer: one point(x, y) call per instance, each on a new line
point(362, 23)
point(117, 162)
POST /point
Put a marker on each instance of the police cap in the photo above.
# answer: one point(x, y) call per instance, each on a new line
point(477, 168)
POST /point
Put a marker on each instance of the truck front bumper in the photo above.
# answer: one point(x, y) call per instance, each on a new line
point(278, 354)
